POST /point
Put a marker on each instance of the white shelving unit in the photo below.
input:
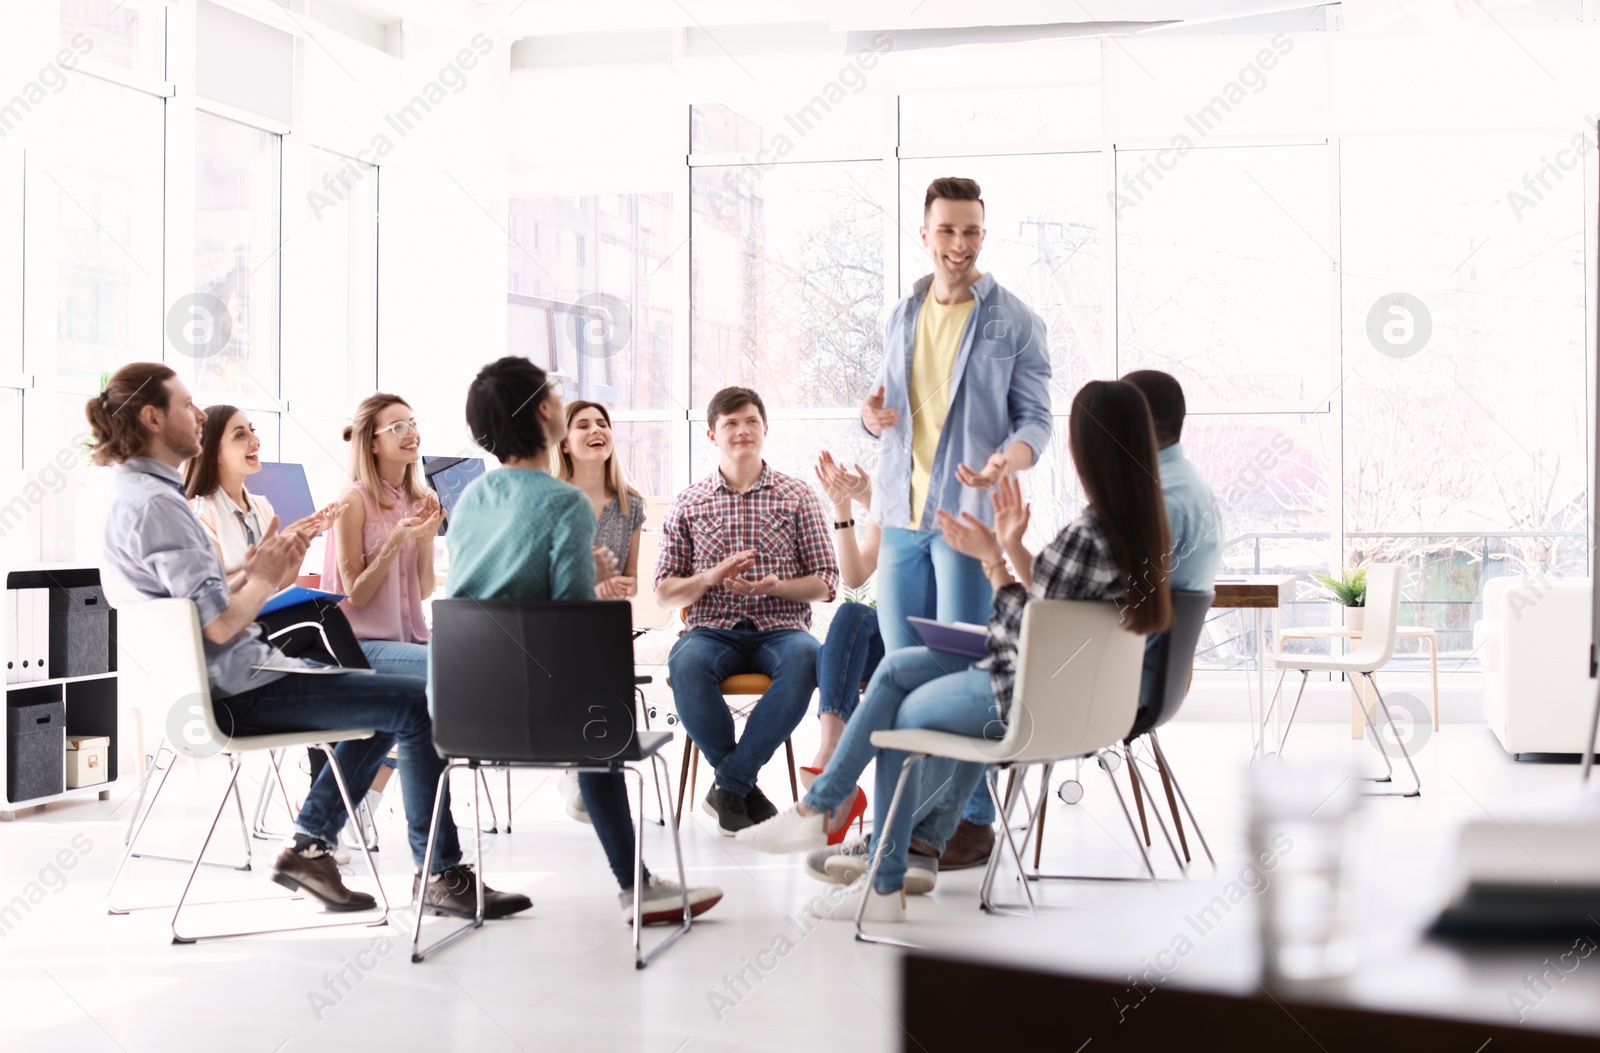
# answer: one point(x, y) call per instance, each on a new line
point(91, 701)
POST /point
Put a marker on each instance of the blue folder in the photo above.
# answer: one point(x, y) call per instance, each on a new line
point(295, 594)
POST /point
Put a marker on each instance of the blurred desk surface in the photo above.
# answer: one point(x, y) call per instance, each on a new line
point(1147, 970)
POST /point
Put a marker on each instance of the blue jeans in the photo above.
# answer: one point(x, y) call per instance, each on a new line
point(395, 658)
point(913, 688)
point(605, 798)
point(919, 575)
point(396, 708)
point(848, 658)
point(699, 662)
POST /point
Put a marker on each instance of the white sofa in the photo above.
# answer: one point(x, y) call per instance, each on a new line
point(1533, 642)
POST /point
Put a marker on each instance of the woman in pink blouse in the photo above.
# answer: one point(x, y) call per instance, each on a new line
point(381, 552)
point(381, 557)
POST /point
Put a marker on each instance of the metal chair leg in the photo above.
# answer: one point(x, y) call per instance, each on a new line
point(1004, 809)
point(344, 795)
point(1388, 719)
point(794, 782)
point(877, 855)
point(1161, 822)
point(1194, 823)
point(1266, 714)
point(141, 818)
point(638, 872)
point(144, 786)
point(1111, 778)
point(1044, 800)
point(419, 905)
point(479, 779)
point(508, 798)
point(1172, 805)
point(1138, 798)
point(1305, 676)
point(243, 828)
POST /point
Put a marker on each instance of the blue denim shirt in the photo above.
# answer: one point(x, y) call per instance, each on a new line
point(155, 548)
point(1194, 520)
point(1000, 394)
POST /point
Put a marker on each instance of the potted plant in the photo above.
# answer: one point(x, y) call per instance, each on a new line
point(1350, 590)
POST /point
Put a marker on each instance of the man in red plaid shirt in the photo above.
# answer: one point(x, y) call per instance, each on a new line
point(748, 551)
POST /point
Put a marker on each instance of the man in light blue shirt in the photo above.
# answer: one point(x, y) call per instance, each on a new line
point(147, 425)
point(965, 382)
point(1192, 513)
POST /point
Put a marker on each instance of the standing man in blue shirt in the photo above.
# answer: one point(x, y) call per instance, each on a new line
point(965, 381)
point(1192, 513)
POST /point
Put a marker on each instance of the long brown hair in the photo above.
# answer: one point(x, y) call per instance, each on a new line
point(360, 433)
point(616, 478)
point(113, 415)
point(203, 474)
point(1113, 443)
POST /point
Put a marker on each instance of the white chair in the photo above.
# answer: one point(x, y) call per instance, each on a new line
point(162, 665)
point(1076, 694)
point(1371, 654)
point(1533, 642)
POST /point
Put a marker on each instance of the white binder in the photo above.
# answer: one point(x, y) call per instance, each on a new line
point(24, 635)
point(13, 654)
point(41, 634)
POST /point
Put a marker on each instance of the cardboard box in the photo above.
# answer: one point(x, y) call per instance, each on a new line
point(86, 761)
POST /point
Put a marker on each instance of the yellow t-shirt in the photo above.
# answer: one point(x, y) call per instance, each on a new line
point(939, 331)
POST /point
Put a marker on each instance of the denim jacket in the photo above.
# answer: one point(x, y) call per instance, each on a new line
point(1000, 394)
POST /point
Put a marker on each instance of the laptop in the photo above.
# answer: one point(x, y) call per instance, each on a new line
point(450, 477)
point(285, 486)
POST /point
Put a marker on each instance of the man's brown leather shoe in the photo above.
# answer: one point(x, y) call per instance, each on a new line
point(314, 872)
point(968, 847)
point(455, 892)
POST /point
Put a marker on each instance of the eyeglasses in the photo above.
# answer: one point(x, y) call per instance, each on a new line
point(403, 429)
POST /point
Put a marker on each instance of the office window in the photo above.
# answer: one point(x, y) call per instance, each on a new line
point(224, 338)
point(1043, 241)
point(788, 280)
point(98, 193)
point(1223, 271)
point(129, 34)
point(604, 317)
point(971, 116)
point(1466, 377)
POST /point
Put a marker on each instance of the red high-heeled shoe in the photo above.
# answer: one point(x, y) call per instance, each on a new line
point(858, 808)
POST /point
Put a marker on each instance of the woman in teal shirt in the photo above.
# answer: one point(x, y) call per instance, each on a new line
point(521, 534)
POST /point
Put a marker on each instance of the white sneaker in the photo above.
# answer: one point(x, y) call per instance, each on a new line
point(849, 862)
point(788, 831)
point(662, 902)
point(882, 907)
point(827, 864)
point(574, 797)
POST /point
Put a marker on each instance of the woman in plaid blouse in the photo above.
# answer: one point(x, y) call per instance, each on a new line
point(1106, 553)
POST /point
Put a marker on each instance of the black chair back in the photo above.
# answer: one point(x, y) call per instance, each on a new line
point(1174, 660)
point(537, 682)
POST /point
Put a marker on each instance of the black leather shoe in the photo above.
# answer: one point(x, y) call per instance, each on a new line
point(758, 807)
point(968, 847)
point(729, 809)
point(315, 873)
point(454, 892)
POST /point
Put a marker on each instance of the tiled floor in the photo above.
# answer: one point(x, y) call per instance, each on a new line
point(561, 976)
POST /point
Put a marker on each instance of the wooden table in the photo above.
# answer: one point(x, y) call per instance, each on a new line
point(1358, 690)
point(1259, 593)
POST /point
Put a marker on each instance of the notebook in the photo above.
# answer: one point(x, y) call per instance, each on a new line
point(958, 638)
point(295, 594)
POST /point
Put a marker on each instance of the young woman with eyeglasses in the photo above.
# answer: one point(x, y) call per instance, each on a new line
point(381, 557)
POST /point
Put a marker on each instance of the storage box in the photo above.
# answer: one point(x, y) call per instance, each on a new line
point(36, 734)
point(86, 760)
point(80, 631)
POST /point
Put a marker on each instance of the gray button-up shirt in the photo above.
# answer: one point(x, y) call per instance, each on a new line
point(156, 549)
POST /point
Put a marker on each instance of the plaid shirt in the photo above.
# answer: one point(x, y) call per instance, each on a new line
point(1077, 565)
point(779, 517)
